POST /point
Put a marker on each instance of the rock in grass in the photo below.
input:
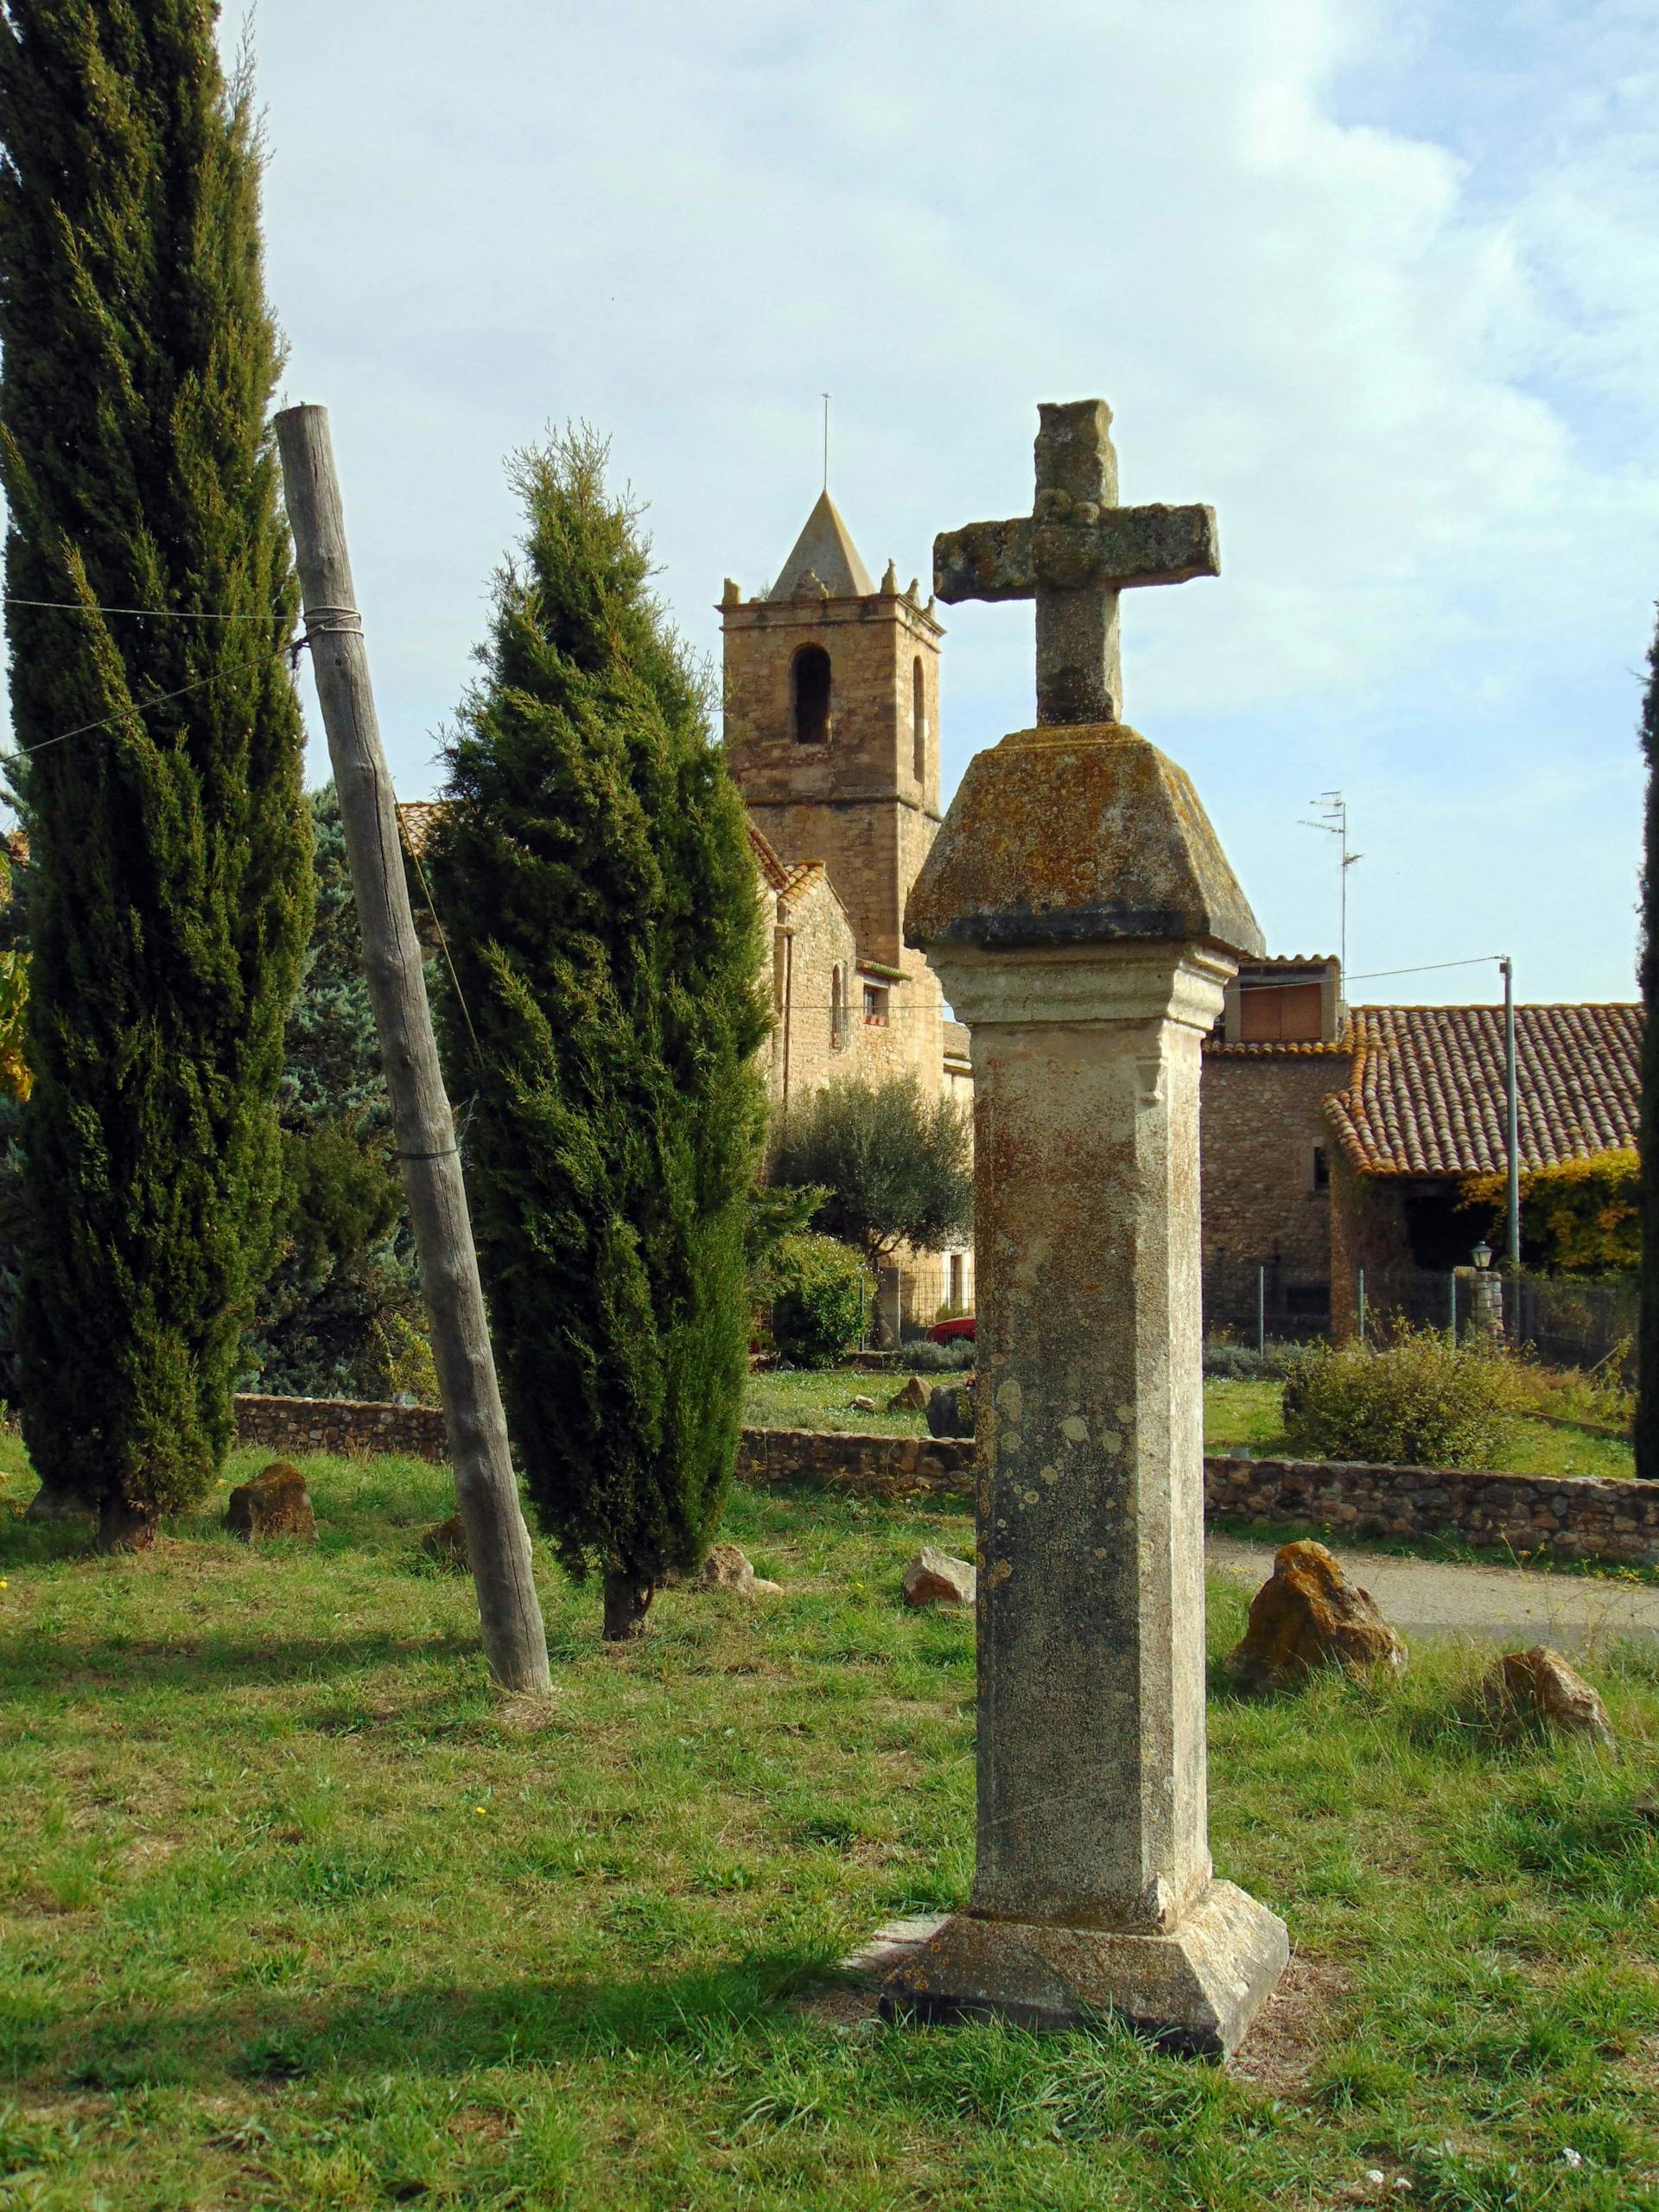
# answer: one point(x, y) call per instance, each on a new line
point(933, 1578)
point(912, 1398)
point(1308, 1614)
point(951, 1410)
point(861, 1404)
point(277, 1503)
point(56, 1505)
point(727, 1568)
point(1537, 1688)
point(446, 1543)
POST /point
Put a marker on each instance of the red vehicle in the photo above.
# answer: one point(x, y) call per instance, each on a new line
point(947, 1332)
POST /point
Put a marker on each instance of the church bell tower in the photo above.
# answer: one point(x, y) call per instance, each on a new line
point(832, 732)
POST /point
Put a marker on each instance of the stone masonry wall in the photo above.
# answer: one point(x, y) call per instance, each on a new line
point(291, 1426)
point(1575, 1518)
point(1263, 1116)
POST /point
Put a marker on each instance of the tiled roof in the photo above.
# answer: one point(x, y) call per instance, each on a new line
point(1275, 1048)
point(773, 873)
point(805, 876)
point(414, 819)
point(1289, 960)
point(1425, 1091)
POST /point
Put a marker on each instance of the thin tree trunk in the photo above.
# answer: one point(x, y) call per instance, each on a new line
point(487, 1490)
point(627, 1602)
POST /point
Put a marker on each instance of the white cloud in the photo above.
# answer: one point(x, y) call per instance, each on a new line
point(1405, 351)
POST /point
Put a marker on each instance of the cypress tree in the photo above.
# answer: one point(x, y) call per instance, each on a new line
point(162, 783)
point(594, 876)
point(1645, 1435)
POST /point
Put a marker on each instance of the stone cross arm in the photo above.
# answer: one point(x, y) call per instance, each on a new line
point(1127, 546)
point(1073, 555)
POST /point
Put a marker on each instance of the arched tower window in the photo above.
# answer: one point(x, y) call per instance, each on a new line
point(918, 717)
point(810, 682)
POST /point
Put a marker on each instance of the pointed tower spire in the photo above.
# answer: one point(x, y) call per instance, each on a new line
point(825, 549)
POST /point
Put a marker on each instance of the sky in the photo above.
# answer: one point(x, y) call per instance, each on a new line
point(1380, 283)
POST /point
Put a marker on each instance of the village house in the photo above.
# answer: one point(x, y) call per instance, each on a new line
point(1338, 1141)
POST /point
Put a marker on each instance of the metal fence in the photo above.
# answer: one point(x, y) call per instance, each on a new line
point(1250, 1305)
point(1563, 1320)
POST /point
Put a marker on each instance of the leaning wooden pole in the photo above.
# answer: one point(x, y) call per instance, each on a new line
point(487, 1491)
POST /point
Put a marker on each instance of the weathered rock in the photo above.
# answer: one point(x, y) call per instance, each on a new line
point(1309, 1614)
point(447, 1544)
point(56, 1505)
point(1537, 1688)
point(951, 1410)
point(911, 1398)
point(860, 1404)
point(277, 1503)
point(727, 1568)
point(933, 1578)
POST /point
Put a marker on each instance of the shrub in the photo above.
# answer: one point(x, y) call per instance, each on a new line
point(1420, 1401)
point(820, 1290)
point(952, 1358)
point(1230, 1363)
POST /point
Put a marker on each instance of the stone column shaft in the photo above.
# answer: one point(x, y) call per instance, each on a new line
point(1091, 1785)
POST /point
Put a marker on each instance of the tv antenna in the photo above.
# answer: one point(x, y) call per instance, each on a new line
point(1334, 819)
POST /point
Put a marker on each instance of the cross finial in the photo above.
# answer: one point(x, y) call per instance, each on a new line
point(1074, 555)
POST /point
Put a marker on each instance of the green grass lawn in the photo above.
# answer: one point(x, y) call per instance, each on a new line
point(300, 1914)
point(1233, 1413)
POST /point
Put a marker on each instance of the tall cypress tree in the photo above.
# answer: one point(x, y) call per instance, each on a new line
point(1646, 1433)
point(593, 875)
point(162, 786)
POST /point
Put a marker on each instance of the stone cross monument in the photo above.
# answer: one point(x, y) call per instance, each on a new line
point(1084, 919)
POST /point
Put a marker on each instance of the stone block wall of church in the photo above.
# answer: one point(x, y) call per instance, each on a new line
point(1261, 1117)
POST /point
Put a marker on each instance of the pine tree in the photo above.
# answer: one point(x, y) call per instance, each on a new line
point(343, 1304)
point(1645, 1434)
point(593, 875)
point(170, 879)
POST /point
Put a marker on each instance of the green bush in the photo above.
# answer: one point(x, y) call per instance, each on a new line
point(1419, 1401)
point(954, 1357)
point(820, 1290)
point(1231, 1363)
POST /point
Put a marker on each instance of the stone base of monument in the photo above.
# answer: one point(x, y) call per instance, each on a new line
point(1194, 1990)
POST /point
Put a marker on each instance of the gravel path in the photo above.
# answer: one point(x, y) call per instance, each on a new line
point(1513, 1603)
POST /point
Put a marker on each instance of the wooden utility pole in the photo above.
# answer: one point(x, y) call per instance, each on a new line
point(487, 1490)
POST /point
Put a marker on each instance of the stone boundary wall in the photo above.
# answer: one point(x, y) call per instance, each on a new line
point(1569, 1516)
point(1576, 1516)
point(292, 1426)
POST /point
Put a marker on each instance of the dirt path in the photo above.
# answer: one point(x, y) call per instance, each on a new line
point(1512, 1602)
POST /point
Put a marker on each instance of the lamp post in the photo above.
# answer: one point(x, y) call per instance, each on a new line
point(1512, 1117)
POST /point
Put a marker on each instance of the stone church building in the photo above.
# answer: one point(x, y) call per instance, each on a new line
point(832, 733)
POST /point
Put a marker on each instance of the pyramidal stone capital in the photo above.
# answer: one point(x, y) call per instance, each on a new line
point(1078, 835)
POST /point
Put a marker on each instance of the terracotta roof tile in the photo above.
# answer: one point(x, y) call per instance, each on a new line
point(1425, 1088)
point(805, 876)
point(773, 873)
point(414, 819)
point(1273, 1048)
